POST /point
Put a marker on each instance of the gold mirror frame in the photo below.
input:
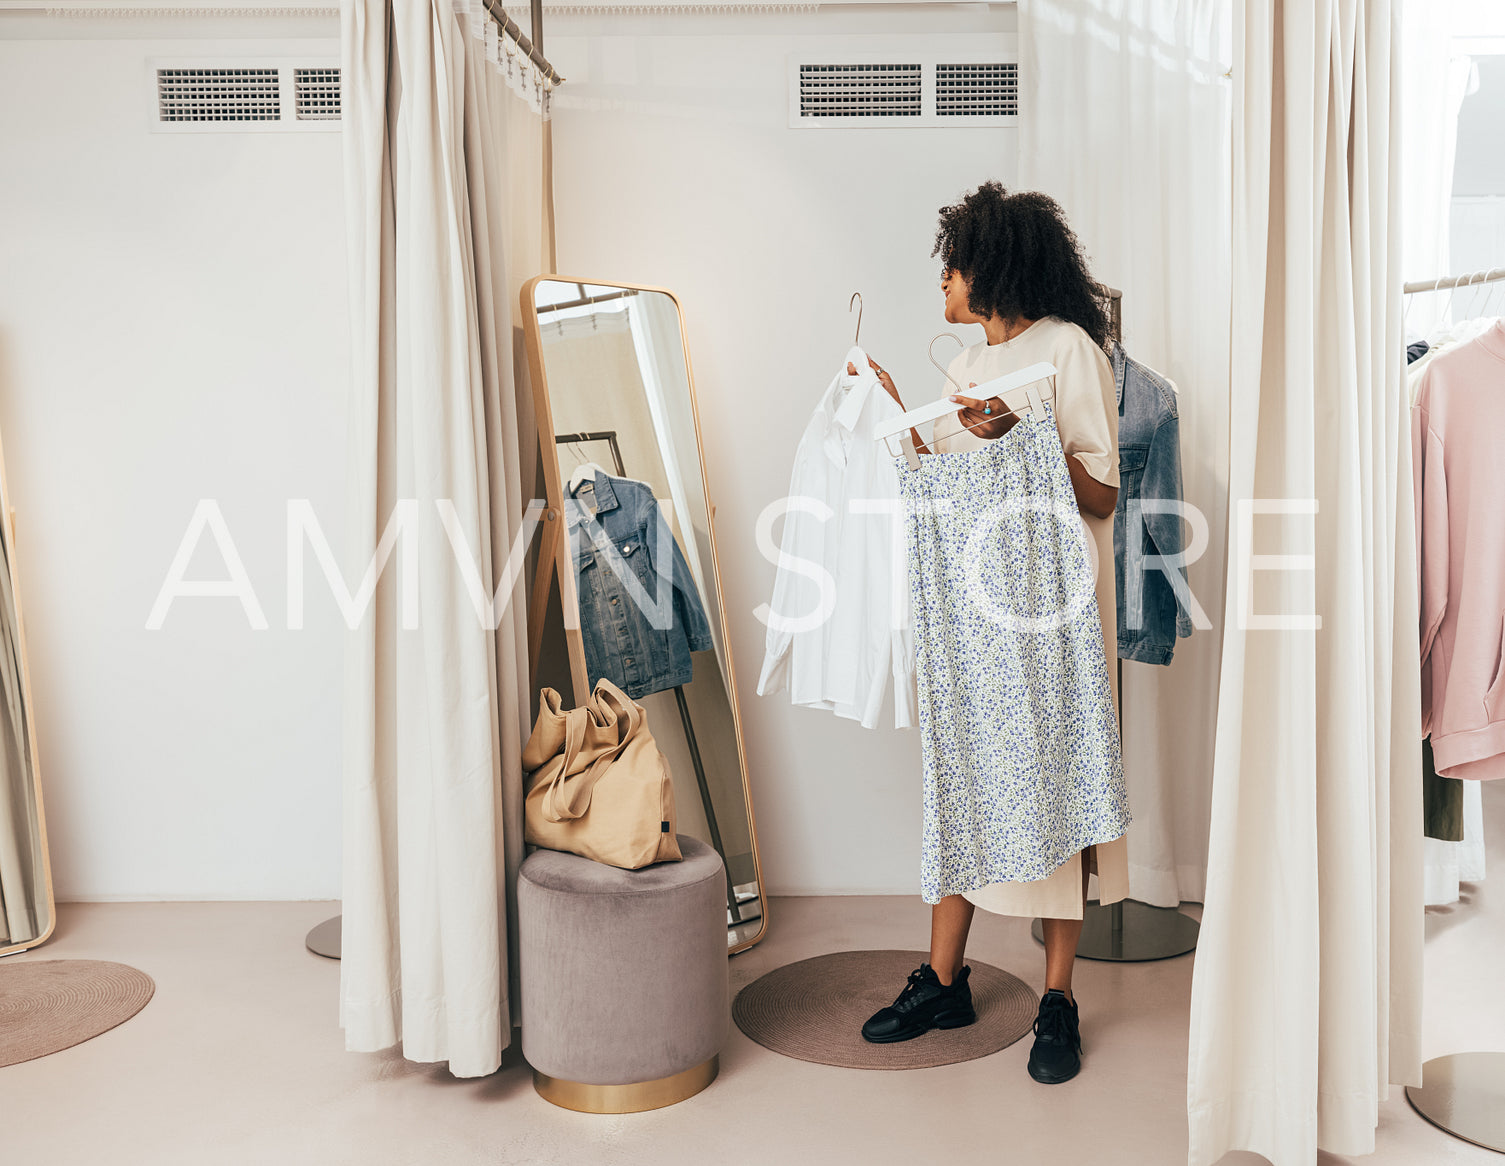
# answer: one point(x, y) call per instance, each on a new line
point(8, 518)
point(554, 554)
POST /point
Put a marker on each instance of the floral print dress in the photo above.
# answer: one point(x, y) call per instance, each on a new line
point(1018, 731)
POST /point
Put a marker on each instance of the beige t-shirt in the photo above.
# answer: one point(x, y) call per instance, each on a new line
point(1086, 401)
point(1086, 410)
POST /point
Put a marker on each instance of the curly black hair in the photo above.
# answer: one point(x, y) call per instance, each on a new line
point(1020, 258)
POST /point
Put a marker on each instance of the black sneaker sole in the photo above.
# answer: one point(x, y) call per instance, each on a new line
point(1053, 1079)
point(947, 1020)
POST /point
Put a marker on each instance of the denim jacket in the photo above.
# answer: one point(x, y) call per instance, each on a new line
point(1154, 598)
point(640, 613)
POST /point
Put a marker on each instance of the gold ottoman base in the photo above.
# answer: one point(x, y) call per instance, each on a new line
point(632, 1098)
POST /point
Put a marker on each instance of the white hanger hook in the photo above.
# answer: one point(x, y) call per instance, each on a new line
point(856, 336)
point(1483, 276)
point(1492, 295)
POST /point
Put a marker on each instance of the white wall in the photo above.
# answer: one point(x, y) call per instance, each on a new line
point(674, 165)
point(1477, 222)
point(172, 327)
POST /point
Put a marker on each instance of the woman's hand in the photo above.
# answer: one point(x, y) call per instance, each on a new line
point(883, 377)
point(988, 418)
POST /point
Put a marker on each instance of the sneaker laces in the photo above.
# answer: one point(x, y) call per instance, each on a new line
point(1053, 1024)
point(916, 978)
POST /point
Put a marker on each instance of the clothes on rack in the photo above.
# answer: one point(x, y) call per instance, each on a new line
point(1458, 428)
point(1416, 351)
point(1154, 599)
point(1448, 865)
point(1443, 339)
point(640, 614)
point(839, 624)
point(1018, 731)
point(1441, 800)
point(1086, 416)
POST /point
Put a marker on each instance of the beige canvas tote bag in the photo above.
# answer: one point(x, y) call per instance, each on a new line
point(600, 787)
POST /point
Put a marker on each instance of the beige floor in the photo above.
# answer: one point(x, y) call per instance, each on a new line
point(238, 1059)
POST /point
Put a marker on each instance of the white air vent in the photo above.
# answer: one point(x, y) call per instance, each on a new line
point(244, 94)
point(218, 95)
point(990, 90)
point(877, 91)
point(922, 82)
point(318, 92)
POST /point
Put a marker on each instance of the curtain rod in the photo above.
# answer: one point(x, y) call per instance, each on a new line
point(524, 42)
point(1491, 275)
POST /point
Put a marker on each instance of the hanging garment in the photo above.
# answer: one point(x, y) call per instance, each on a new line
point(1451, 864)
point(838, 625)
point(1018, 732)
point(1087, 424)
point(1416, 351)
point(1441, 800)
point(640, 613)
point(1445, 338)
point(1154, 598)
point(1458, 424)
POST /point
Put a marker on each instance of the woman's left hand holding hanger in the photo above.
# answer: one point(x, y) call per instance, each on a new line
point(987, 419)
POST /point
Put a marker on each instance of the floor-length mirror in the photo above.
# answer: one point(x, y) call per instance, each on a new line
point(26, 901)
point(616, 400)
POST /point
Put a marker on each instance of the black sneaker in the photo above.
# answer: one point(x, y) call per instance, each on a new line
point(1057, 1055)
point(924, 1004)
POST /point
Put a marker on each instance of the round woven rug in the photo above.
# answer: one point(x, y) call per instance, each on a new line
point(813, 1011)
point(47, 1005)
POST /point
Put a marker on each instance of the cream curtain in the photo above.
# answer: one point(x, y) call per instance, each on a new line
point(446, 187)
point(1306, 992)
point(1125, 120)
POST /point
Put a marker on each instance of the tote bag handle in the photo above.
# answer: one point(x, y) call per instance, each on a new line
point(569, 798)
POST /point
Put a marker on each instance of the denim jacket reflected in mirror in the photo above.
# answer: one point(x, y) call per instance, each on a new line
point(640, 612)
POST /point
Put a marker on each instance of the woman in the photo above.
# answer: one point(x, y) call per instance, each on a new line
point(1012, 265)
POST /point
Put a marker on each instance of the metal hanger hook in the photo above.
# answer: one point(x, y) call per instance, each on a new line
point(856, 337)
point(930, 352)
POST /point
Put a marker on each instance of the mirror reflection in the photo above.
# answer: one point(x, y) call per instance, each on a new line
point(640, 540)
point(25, 898)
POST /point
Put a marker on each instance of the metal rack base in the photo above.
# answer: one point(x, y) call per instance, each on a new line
point(324, 939)
point(1131, 932)
point(1464, 1094)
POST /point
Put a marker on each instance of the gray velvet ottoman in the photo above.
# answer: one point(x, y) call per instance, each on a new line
point(624, 978)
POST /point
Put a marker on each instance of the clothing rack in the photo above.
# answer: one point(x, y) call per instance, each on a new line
point(1448, 282)
point(1129, 931)
point(585, 300)
point(1463, 1094)
point(607, 435)
point(733, 907)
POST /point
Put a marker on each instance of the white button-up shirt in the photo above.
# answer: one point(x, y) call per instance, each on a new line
point(839, 625)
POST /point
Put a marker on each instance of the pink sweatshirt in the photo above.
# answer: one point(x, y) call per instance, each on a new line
point(1458, 448)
